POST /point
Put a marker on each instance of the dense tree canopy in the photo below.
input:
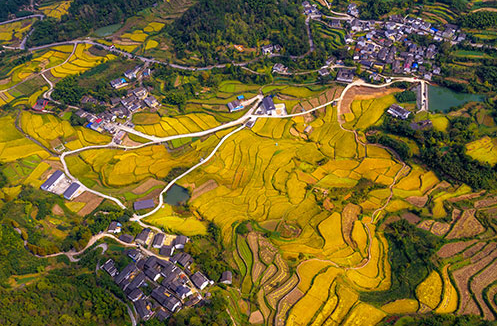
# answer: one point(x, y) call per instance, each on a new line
point(212, 23)
point(84, 16)
point(11, 7)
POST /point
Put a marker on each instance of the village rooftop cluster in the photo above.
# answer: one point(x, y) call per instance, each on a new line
point(171, 282)
point(120, 108)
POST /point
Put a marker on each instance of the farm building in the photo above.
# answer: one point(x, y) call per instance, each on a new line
point(151, 101)
point(166, 251)
point(226, 277)
point(200, 280)
point(114, 227)
point(110, 268)
point(158, 240)
point(143, 204)
point(144, 236)
point(118, 83)
point(143, 309)
point(267, 49)
point(268, 105)
point(74, 190)
point(40, 104)
point(398, 111)
point(132, 73)
point(235, 106)
point(345, 75)
point(141, 93)
point(52, 180)
point(126, 238)
point(180, 241)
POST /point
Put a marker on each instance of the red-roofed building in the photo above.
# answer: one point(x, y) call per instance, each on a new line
point(40, 105)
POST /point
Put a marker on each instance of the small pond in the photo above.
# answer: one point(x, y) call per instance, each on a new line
point(176, 195)
point(107, 30)
point(442, 99)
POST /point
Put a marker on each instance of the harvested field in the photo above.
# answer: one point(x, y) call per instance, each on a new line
point(256, 318)
point(91, 200)
point(466, 226)
point(419, 201)
point(479, 283)
point(486, 202)
point(257, 267)
point(349, 216)
point(363, 93)
point(473, 250)
point(451, 249)
point(147, 185)
point(57, 210)
point(277, 294)
point(411, 218)
point(267, 250)
point(285, 304)
point(467, 304)
point(268, 273)
point(203, 188)
point(440, 229)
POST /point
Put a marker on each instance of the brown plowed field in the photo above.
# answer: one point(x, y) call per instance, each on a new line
point(467, 226)
point(462, 276)
point(451, 249)
point(479, 283)
point(92, 201)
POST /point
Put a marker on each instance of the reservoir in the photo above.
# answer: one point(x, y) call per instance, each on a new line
point(176, 195)
point(442, 99)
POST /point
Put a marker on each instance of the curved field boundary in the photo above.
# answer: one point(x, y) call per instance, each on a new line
point(462, 277)
point(478, 284)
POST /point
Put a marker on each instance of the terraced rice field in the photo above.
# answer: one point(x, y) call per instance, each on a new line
point(13, 145)
point(81, 61)
point(13, 33)
point(57, 9)
point(178, 125)
point(48, 130)
point(483, 150)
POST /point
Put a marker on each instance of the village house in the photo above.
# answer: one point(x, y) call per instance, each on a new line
point(398, 111)
point(151, 102)
point(144, 236)
point(118, 83)
point(158, 240)
point(126, 238)
point(226, 278)
point(199, 280)
point(345, 75)
point(166, 251)
point(132, 73)
point(234, 105)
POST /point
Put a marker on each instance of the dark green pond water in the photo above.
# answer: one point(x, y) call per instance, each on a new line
point(442, 99)
point(107, 30)
point(176, 195)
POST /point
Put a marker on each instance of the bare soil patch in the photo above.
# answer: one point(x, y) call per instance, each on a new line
point(203, 188)
point(473, 250)
point(467, 304)
point(411, 218)
point(440, 229)
point(92, 201)
point(128, 142)
point(256, 317)
point(466, 226)
point(145, 186)
point(451, 249)
point(349, 216)
point(285, 304)
point(57, 210)
point(479, 283)
point(363, 93)
point(417, 201)
point(466, 197)
point(486, 202)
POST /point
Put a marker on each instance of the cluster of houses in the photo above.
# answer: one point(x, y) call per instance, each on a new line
point(270, 49)
point(377, 50)
point(59, 184)
point(121, 108)
point(380, 46)
point(171, 284)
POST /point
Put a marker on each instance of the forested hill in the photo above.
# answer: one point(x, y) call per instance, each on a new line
point(85, 15)
point(8, 7)
point(212, 23)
